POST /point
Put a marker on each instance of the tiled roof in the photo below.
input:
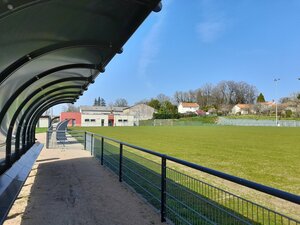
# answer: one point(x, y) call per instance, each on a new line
point(243, 106)
point(189, 104)
point(102, 108)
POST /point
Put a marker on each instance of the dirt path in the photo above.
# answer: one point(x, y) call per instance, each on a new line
point(68, 187)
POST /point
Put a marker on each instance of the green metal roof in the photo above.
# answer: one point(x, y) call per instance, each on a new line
point(51, 50)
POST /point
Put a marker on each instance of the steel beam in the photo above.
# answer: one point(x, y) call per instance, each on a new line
point(16, 114)
point(43, 102)
point(50, 84)
point(31, 81)
point(10, 130)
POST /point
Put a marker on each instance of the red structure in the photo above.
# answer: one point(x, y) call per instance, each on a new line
point(75, 116)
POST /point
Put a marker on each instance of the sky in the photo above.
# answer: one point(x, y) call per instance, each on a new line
point(191, 43)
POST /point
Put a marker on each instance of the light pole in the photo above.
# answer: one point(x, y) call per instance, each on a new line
point(276, 105)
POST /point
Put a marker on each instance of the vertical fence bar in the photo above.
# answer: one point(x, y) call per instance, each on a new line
point(92, 138)
point(85, 140)
point(47, 139)
point(102, 150)
point(120, 162)
point(163, 188)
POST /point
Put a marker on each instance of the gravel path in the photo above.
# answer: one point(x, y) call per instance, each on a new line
point(68, 187)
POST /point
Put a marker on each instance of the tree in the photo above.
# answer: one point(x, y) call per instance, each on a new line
point(260, 98)
point(154, 103)
point(167, 108)
point(121, 102)
point(101, 102)
point(70, 108)
point(298, 96)
point(95, 102)
point(162, 98)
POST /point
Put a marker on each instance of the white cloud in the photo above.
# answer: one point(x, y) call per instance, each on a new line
point(151, 45)
point(210, 31)
point(150, 49)
point(213, 23)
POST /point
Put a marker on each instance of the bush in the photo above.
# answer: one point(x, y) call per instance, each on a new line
point(185, 115)
point(166, 116)
point(288, 113)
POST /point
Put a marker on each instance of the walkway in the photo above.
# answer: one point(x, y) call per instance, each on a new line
point(69, 187)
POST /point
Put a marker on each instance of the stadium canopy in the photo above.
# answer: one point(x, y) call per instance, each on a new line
point(50, 51)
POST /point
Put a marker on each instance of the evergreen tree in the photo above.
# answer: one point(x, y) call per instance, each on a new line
point(95, 102)
point(102, 102)
point(99, 101)
point(260, 98)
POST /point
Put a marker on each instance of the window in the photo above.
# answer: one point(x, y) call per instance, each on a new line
point(119, 120)
point(93, 120)
point(125, 121)
point(86, 120)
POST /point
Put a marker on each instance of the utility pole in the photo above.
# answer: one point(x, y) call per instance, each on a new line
point(276, 99)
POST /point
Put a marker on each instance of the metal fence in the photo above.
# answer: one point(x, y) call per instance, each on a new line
point(56, 139)
point(262, 123)
point(181, 197)
point(173, 122)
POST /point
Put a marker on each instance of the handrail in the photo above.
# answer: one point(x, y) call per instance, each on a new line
point(244, 182)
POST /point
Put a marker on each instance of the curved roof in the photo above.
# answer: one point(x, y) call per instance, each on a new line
point(51, 50)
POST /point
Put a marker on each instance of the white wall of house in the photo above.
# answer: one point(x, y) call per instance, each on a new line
point(43, 122)
point(236, 110)
point(182, 109)
point(123, 120)
point(89, 120)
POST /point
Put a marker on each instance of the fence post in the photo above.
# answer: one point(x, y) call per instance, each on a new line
point(102, 150)
point(47, 139)
point(163, 188)
point(120, 162)
point(92, 142)
point(84, 140)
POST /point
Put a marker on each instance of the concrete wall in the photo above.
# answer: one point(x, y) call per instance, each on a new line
point(140, 112)
point(89, 120)
point(43, 122)
point(71, 115)
point(123, 120)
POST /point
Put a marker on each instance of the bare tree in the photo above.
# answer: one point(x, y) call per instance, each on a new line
point(70, 108)
point(163, 98)
point(121, 102)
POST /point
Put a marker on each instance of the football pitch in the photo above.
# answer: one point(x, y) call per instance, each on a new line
point(267, 155)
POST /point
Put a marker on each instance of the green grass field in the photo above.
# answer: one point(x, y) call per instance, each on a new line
point(268, 155)
point(41, 130)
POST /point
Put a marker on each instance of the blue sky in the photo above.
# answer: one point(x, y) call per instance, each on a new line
point(190, 43)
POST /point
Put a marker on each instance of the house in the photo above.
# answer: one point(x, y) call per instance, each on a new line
point(92, 116)
point(140, 112)
point(187, 107)
point(242, 109)
point(201, 112)
point(101, 110)
point(267, 105)
point(43, 122)
point(74, 117)
point(100, 116)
